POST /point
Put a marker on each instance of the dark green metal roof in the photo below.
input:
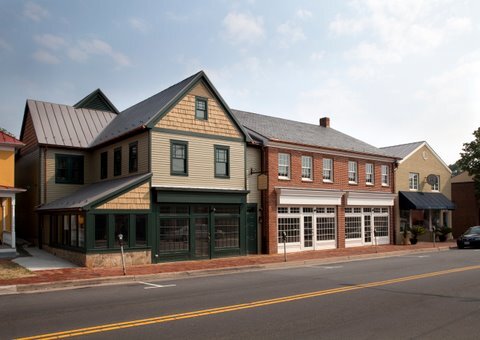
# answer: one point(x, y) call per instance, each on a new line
point(424, 200)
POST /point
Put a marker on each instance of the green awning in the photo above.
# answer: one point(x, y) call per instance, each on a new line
point(424, 201)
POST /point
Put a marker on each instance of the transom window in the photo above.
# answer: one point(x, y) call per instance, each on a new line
point(352, 172)
point(413, 181)
point(385, 177)
point(179, 158)
point(327, 170)
point(69, 169)
point(369, 174)
point(201, 108)
point(307, 167)
point(222, 161)
point(284, 165)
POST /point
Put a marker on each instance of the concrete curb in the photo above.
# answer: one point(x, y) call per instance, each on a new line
point(112, 280)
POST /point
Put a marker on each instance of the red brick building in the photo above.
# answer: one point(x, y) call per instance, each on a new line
point(324, 189)
point(467, 212)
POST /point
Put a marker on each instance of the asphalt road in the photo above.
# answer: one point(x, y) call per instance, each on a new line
point(417, 296)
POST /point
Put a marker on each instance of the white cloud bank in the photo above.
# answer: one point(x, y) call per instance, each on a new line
point(243, 28)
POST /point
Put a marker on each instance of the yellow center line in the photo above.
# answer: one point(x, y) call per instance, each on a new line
point(231, 308)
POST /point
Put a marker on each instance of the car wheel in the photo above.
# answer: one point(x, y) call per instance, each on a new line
point(460, 246)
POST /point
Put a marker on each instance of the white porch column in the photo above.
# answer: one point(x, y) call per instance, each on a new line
point(4, 223)
point(13, 223)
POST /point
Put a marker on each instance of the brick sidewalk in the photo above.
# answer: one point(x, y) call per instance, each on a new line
point(72, 274)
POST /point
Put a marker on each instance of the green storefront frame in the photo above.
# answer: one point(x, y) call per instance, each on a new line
point(201, 208)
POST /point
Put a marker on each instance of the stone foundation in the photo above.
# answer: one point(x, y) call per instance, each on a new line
point(72, 256)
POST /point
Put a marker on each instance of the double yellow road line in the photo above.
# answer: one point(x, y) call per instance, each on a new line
point(231, 308)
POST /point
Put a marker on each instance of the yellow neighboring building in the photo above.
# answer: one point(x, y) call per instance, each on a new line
point(8, 144)
point(424, 187)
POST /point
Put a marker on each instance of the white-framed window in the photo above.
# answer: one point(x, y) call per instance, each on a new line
point(385, 177)
point(413, 181)
point(436, 184)
point(352, 172)
point(369, 173)
point(284, 165)
point(327, 170)
point(307, 168)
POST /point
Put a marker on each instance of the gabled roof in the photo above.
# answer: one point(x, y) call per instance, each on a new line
point(404, 151)
point(95, 193)
point(284, 130)
point(8, 140)
point(149, 111)
point(462, 177)
point(96, 100)
point(64, 125)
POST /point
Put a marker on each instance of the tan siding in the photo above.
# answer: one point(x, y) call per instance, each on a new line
point(142, 140)
point(55, 191)
point(253, 162)
point(200, 163)
point(182, 116)
point(138, 198)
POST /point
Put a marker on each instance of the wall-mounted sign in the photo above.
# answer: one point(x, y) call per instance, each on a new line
point(262, 182)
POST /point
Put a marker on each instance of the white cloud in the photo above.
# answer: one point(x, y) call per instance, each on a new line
point(45, 57)
point(243, 28)
point(290, 33)
point(86, 48)
point(341, 26)
point(303, 14)
point(459, 25)
point(317, 56)
point(35, 12)
point(139, 25)
point(50, 41)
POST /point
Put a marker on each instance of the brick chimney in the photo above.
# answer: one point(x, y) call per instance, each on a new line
point(325, 122)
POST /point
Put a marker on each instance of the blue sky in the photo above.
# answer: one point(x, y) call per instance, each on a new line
point(386, 72)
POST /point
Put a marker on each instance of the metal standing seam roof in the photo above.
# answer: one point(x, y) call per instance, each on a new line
point(284, 130)
point(95, 192)
point(402, 150)
point(64, 125)
point(424, 200)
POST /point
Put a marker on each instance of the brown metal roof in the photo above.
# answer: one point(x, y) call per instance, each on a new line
point(63, 125)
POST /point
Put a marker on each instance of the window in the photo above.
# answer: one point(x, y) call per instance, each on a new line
point(325, 228)
point(352, 172)
point(328, 170)
point(141, 222)
point(284, 165)
point(307, 166)
point(101, 228)
point(121, 227)
point(68, 169)
point(369, 173)
point(436, 184)
point(117, 162)
point(413, 181)
point(353, 227)
point(291, 227)
point(104, 165)
point(174, 234)
point(222, 161)
point(179, 157)
point(133, 157)
point(201, 108)
point(385, 171)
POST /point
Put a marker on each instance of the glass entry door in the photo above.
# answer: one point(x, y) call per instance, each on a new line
point(202, 237)
point(308, 232)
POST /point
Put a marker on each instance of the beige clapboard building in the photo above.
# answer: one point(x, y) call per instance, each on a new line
point(423, 184)
point(169, 174)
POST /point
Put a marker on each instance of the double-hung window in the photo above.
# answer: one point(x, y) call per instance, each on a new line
point(352, 172)
point(327, 170)
point(201, 108)
point(117, 161)
point(413, 181)
point(104, 165)
point(284, 166)
point(307, 168)
point(436, 184)
point(222, 161)
point(369, 173)
point(385, 171)
point(179, 158)
point(69, 169)
point(133, 157)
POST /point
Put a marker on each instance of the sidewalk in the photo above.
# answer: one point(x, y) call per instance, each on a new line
point(80, 276)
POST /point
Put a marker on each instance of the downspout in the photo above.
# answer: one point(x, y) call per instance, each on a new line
point(394, 219)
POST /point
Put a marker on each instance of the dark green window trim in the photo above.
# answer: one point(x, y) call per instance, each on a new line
point(221, 160)
point(117, 161)
point(178, 155)
point(104, 165)
point(201, 108)
point(69, 169)
point(133, 157)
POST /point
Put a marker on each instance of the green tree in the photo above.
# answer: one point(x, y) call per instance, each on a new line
point(470, 160)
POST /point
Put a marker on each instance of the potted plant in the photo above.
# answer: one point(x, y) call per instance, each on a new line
point(415, 231)
point(443, 232)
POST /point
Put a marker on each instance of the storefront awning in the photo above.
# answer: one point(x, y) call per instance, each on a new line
point(424, 201)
